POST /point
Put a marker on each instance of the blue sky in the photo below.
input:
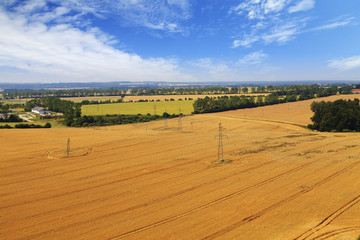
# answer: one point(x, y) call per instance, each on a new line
point(179, 40)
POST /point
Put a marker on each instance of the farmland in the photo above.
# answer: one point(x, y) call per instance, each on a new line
point(150, 181)
point(171, 107)
point(133, 98)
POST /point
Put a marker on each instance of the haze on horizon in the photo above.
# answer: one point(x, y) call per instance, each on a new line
point(179, 40)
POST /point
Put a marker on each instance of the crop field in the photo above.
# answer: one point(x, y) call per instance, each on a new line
point(160, 180)
point(133, 98)
point(176, 97)
point(185, 107)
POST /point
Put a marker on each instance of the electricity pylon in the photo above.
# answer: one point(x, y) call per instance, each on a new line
point(68, 147)
point(220, 145)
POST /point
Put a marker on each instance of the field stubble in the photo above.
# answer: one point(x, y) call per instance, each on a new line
point(142, 181)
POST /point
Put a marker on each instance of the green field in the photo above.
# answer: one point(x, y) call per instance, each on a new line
point(171, 107)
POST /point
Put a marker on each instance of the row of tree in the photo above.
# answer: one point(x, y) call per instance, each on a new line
point(138, 92)
point(86, 121)
point(24, 125)
point(340, 116)
point(63, 93)
point(89, 102)
point(287, 94)
point(160, 91)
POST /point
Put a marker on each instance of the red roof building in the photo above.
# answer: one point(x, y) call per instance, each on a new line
point(355, 91)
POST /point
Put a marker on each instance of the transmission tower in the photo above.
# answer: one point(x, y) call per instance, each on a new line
point(220, 145)
point(68, 147)
point(179, 124)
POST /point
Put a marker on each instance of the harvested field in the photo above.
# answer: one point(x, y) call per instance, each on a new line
point(176, 97)
point(135, 98)
point(145, 181)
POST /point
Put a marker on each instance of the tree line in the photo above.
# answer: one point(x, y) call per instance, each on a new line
point(286, 94)
point(9, 94)
point(116, 119)
point(24, 125)
point(340, 116)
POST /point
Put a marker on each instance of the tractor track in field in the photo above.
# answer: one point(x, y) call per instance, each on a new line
point(264, 120)
point(219, 200)
point(329, 219)
point(170, 219)
point(80, 169)
point(97, 151)
point(280, 203)
point(158, 199)
point(204, 206)
point(101, 185)
point(336, 232)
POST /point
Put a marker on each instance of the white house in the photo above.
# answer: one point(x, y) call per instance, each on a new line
point(40, 110)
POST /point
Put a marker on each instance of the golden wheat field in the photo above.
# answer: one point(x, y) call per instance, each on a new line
point(160, 180)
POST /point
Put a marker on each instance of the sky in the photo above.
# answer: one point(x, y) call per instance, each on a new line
point(179, 40)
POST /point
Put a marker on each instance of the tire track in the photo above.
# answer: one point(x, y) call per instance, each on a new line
point(336, 232)
point(329, 219)
point(172, 218)
point(219, 200)
point(80, 169)
point(100, 185)
point(278, 204)
point(155, 200)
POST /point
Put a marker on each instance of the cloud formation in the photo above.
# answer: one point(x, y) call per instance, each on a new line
point(345, 64)
point(277, 21)
point(303, 5)
point(72, 54)
point(253, 58)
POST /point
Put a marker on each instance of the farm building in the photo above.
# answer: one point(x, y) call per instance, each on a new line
point(357, 91)
point(40, 110)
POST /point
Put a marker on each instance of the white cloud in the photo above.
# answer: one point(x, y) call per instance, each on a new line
point(253, 58)
point(339, 22)
point(276, 21)
point(69, 54)
point(247, 41)
point(162, 15)
point(30, 6)
point(303, 5)
point(345, 64)
point(282, 34)
point(210, 66)
point(274, 5)
point(259, 9)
